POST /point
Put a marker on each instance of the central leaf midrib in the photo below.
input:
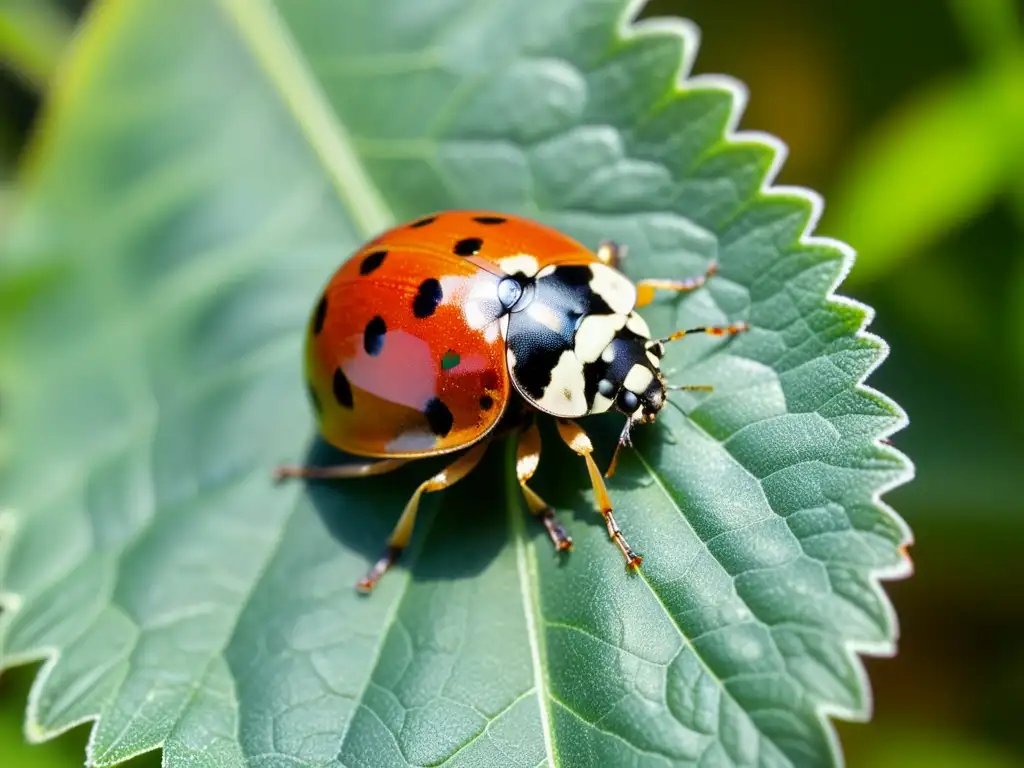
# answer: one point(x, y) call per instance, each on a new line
point(272, 46)
point(529, 593)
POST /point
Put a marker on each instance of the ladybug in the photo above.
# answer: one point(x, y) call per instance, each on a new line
point(448, 332)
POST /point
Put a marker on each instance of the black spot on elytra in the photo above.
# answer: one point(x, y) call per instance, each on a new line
point(490, 219)
point(423, 222)
point(320, 315)
point(428, 297)
point(468, 247)
point(439, 417)
point(373, 336)
point(315, 399)
point(371, 262)
point(342, 389)
point(486, 402)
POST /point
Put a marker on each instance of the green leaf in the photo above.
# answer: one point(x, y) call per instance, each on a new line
point(935, 746)
point(1016, 313)
point(202, 169)
point(991, 27)
point(931, 166)
point(33, 37)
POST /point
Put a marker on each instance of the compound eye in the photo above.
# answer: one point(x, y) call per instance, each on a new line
point(606, 388)
point(509, 292)
point(628, 401)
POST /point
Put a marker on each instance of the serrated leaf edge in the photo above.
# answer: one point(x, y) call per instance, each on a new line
point(632, 27)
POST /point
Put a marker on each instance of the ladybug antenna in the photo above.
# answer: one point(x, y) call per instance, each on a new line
point(690, 387)
point(710, 330)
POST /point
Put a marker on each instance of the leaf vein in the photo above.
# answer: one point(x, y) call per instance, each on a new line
point(275, 51)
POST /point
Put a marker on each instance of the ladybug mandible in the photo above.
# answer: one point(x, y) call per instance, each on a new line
point(453, 330)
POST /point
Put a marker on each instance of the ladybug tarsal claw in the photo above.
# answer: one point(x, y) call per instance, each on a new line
point(559, 536)
point(284, 472)
point(366, 584)
point(626, 436)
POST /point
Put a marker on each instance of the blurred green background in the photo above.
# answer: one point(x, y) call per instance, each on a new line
point(909, 118)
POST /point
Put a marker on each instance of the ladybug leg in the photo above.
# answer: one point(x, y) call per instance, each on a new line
point(341, 471)
point(611, 253)
point(527, 460)
point(579, 441)
point(624, 440)
point(645, 288)
point(402, 533)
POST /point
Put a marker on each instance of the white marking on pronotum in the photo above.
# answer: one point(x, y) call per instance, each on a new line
point(614, 287)
point(565, 396)
point(545, 315)
point(638, 379)
point(638, 325)
point(595, 334)
point(601, 403)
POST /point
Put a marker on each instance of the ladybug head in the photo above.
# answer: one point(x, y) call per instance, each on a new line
point(642, 405)
point(640, 408)
point(628, 374)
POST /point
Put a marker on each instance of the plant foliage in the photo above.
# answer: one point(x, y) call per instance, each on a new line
point(201, 170)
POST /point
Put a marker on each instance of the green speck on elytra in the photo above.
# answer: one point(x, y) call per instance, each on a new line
point(450, 360)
